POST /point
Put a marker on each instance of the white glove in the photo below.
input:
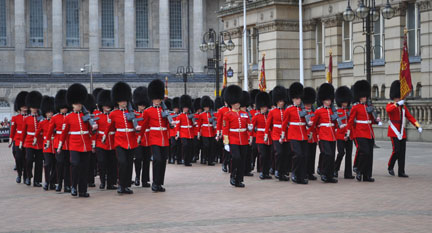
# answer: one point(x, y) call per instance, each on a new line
point(47, 144)
point(250, 127)
point(139, 140)
point(20, 145)
point(401, 102)
point(10, 142)
point(34, 141)
point(227, 147)
point(198, 136)
point(380, 123)
point(420, 129)
point(103, 139)
point(265, 137)
point(93, 144)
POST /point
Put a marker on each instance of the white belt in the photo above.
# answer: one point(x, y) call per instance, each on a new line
point(31, 133)
point(19, 131)
point(147, 130)
point(110, 133)
point(297, 123)
point(207, 125)
point(260, 129)
point(363, 122)
point(326, 125)
point(158, 128)
point(78, 132)
point(58, 132)
point(125, 130)
point(277, 126)
point(238, 130)
point(186, 126)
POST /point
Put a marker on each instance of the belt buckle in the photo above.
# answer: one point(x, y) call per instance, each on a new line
point(82, 132)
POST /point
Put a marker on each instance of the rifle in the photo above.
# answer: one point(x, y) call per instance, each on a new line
point(335, 116)
point(371, 109)
point(90, 118)
point(212, 119)
point(192, 117)
point(166, 113)
point(308, 117)
point(344, 117)
point(131, 116)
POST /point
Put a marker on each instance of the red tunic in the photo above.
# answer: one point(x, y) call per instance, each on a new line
point(325, 126)
point(235, 127)
point(340, 133)
point(76, 133)
point(311, 138)
point(259, 122)
point(125, 135)
point(297, 124)
point(253, 112)
point(43, 129)
point(172, 131)
point(103, 124)
point(204, 125)
point(274, 123)
point(55, 127)
point(31, 125)
point(158, 126)
point(360, 122)
point(220, 114)
point(145, 135)
point(17, 126)
point(395, 112)
point(185, 126)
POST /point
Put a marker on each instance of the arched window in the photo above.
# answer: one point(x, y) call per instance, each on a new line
point(383, 91)
point(375, 91)
point(418, 93)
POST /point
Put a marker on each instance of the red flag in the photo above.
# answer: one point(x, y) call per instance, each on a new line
point(225, 77)
point(166, 87)
point(262, 80)
point(329, 77)
point(405, 73)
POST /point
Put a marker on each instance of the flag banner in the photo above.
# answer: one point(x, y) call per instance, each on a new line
point(225, 76)
point(329, 77)
point(405, 73)
point(262, 86)
point(166, 87)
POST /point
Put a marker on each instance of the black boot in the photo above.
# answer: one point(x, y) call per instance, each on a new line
point(74, 192)
point(27, 181)
point(67, 189)
point(84, 195)
point(45, 187)
point(102, 186)
point(403, 175)
point(18, 179)
point(137, 181)
point(391, 172)
point(36, 184)
point(59, 188)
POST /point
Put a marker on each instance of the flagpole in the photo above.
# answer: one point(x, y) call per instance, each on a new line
point(301, 41)
point(245, 61)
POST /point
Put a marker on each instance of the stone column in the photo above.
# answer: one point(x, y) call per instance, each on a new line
point(425, 9)
point(129, 36)
point(94, 38)
point(57, 37)
point(20, 36)
point(164, 44)
point(199, 58)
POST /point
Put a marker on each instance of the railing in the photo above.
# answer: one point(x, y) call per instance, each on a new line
point(420, 109)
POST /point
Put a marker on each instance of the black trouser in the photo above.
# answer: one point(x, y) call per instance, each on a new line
point(282, 157)
point(107, 165)
point(125, 165)
point(79, 167)
point(174, 150)
point(49, 168)
point(248, 160)
point(36, 157)
point(219, 151)
point(273, 158)
point(187, 149)
point(264, 152)
point(344, 149)
point(365, 156)
point(20, 161)
point(255, 156)
point(208, 150)
point(160, 155)
point(226, 158)
point(398, 153)
point(92, 168)
point(238, 154)
point(196, 149)
point(299, 158)
point(63, 168)
point(327, 149)
point(142, 160)
point(311, 154)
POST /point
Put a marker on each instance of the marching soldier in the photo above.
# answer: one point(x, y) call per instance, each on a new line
point(175, 145)
point(344, 141)
point(15, 138)
point(91, 106)
point(105, 152)
point(77, 133)
point(253, 111)
point(244, 104)
point(185, 129)
point(219, 144)
point(360, 123)
point(125, 140)
point(206, 123)
point(398, 114)
point(155, 119)
point(196, 142)
point(221, 112)
point(31, 141)
point(309, 97)
point(235, 136)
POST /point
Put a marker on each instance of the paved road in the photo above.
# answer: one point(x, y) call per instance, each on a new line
point(200, 199)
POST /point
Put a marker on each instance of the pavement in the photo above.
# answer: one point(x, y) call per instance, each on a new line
point(200, 199)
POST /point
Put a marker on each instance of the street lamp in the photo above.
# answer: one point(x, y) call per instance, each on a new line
point(368, 13)
point(90, 70)
point(215, 41)
point(185, 72)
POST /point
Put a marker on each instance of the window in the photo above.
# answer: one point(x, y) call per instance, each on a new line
point(375, 91)
point(36, 23)
point(249, 44)
point(383, 91)
point(418, 90)
point(175, 13)
point(253, 45)
point(107, 23)
point(2, 22)
point(142, 34)
point(72, 23)
point(413, 26)
point(319, 43)
point(378, 39)
point(347, 41)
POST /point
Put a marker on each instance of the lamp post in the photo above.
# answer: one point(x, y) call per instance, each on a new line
point(185, 72)
point(90, 70)
point(368, 13)
point(215, 41)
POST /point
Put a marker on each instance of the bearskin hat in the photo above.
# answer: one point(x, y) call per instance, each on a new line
point(253, 93)
point(185, 102)
point(395, 90)
point(343, 95)
point(121, 91)
point(206, 101)
point(20, 100)
point(156, 89)
point(168, 103)
point(218, 102)
point(47, 105)
point(76, 94)
point(325, 92)
point(223, 94)
point(60, 100)
point(33, 99)
point(309, 95)
point(197, 104)
point(104, 99)
point(90, 103)
point(140, 97)
point(279, 93)
point(233, 94)
point(176, 102)
point(295, 90)
point(245, 99)
point(96, 91)
point(262, 99)
point(361, 88)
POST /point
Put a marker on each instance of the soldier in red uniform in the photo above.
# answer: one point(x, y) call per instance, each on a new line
point(398, 114)
point(48, 109)
point(55, 130)
point(185, 129)
point(91, 107)
point(219, 144)
point(78, 135)
point(360, 124)
point(221, 112)
point(156, 120)
point(143, 152)
point(235, 134)
point(254, 148)
point(31, 141)
point(273, 131)
point(207, 133)
point(175, 145)
point(309, 97)
point(105, 152)
point(125, 140)
point(259, 121)
point(244, 104)
point(344, 141)
point(197, 145)
point(15, 138)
